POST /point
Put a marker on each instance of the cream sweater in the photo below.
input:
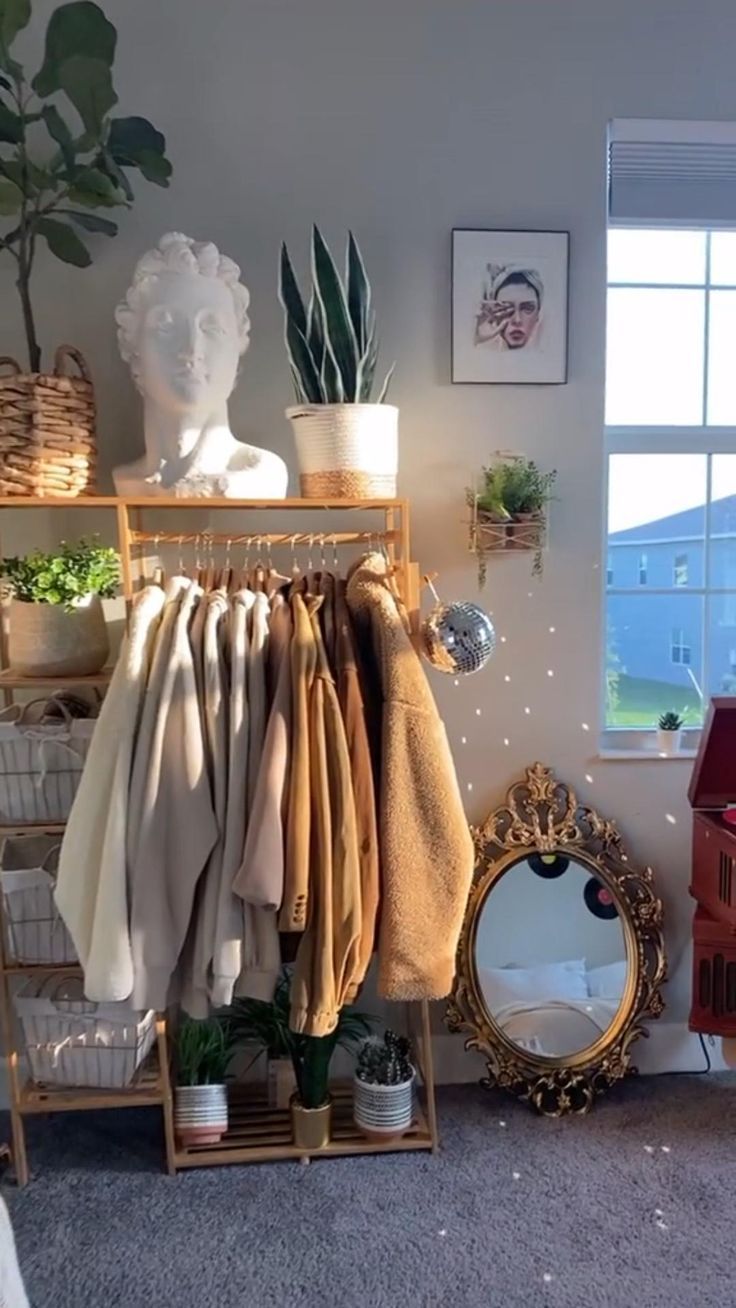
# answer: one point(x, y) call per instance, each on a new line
point(91, 888)
point(172, 826)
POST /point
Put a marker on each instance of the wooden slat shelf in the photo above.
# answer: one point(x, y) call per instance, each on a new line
point(42, 969)
point(31, 828)
point(259, 1134)
point(146, 1091)
point(171, 502)
point(10, 680)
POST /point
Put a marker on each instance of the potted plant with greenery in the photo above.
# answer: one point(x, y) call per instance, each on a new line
point(59, 191)
point(266, 1025)
point(383, 1087)
point(669, 732)
point(203, 1053)
point(346, 444)
point(509, 509)
point(56, 622)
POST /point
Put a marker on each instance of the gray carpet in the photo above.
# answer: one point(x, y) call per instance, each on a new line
point(533, 1214)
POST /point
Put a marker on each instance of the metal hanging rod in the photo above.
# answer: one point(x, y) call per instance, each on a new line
point(256, 538)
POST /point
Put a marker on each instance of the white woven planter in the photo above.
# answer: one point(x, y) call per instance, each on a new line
point(71, 1041)
point(36, 932)
point(346, 451)
point(383, 1112)
point(200, 1113)
point(47, 640)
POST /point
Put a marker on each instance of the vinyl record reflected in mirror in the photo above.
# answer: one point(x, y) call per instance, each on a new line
point(600, 901)
point(548, 866)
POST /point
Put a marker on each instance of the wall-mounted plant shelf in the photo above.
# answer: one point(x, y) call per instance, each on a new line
point(488, 535)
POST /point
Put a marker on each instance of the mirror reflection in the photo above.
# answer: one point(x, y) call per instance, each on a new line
point(551, 955)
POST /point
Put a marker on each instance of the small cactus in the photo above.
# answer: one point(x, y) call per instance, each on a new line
point(385, 1060)
point(670, 721)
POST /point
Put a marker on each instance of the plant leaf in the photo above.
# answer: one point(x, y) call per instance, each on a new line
point(289, 293)
point(302, 361)
point(60, 133)
point(331, 379)
point(90, 222)
point(340, 339)
point(112, 169)
point(386, 384)
point(131, 137)
point(11, 197)
point(315, 333)
point(11, 128)
point(94, 190)
point(88, 84)
point(14, 16)
point(75, 30)
point(359, 293)
point(155, 167)
point(64, 243)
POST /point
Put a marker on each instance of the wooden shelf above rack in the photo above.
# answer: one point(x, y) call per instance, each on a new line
point(10, 680)
point(259, 1134)
point(202, 503)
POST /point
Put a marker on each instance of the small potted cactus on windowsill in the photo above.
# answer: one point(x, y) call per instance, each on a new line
point(383, 1087)
point(669, 732)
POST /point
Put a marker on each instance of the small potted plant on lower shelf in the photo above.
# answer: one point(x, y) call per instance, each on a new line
point(669, 732)
point(56, 623)
point(266, 1026)
point(203, 1052)
point(383, 1087)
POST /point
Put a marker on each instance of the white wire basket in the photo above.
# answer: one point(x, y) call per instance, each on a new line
point(35, 930)
point(73, 1042)
point(40, 763)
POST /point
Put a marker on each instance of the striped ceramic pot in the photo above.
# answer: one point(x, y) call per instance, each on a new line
point(383, 1112)
point(200, 1114)
point(346, 451)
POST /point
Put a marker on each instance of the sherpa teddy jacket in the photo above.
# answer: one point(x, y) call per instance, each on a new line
point(425, 844)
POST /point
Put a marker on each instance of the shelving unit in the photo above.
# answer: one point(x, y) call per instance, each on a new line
point(256, 1133)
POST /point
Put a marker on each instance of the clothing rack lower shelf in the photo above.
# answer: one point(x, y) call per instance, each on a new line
point(147, 1090)
point(258, 1134)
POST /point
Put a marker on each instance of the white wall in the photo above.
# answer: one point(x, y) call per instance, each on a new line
point(404, 120)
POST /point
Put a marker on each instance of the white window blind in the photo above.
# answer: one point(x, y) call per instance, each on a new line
point(671, 174)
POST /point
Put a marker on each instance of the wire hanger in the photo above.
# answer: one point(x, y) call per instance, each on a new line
point(225, 579)
point(159, 576)
point(182, 565)
point(259, 572)
point(244, 573)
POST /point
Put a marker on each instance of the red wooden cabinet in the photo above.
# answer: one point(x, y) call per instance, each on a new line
point(712, 795)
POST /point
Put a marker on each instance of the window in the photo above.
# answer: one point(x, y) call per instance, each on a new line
point(609, 576)
point(679, 571)
point(642, 569)
point(679, 650)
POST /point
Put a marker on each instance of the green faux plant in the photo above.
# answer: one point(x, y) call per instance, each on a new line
point(255, 1022)
point(331, 342)
point(53, 188)
point(516, 486)
point(203, 1051)
point(385, 1060)
point(64, 576)
point(670, 721)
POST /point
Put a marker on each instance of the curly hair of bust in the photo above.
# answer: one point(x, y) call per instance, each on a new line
point(177, 253)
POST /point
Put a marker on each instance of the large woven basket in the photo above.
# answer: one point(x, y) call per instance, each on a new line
point(48, 438)
point(346, 451)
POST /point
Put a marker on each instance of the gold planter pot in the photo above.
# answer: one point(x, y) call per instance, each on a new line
point(310, 1127)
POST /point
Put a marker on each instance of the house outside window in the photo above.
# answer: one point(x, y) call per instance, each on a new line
point(680, 652)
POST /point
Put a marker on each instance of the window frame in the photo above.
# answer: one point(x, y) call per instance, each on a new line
point(700, 439)
point(681, 568)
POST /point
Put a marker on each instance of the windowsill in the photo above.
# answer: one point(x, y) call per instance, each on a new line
point(644, 756)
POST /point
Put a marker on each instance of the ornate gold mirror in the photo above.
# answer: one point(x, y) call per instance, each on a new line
point(561, 955)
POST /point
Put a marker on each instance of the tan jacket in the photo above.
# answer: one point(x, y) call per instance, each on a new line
point(351, 705)
point(425, 844)
point(329, 953)
point(171, 822)
point(303, 657)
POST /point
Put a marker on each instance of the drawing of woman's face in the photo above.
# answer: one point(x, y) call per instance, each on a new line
point(520, 303)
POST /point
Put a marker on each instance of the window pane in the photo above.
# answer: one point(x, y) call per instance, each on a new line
point(656, 519)
point(654, 364)
point(723, 522)
point(721, 377)
point(653, 658)
point(722, 645)
point(647, 255)
point(723, 258)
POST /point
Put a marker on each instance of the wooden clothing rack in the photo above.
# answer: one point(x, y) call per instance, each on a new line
point(257, 1133)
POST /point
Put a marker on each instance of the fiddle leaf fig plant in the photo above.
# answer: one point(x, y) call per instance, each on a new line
point(63, 157)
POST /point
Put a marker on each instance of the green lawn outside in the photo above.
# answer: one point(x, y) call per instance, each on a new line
point(640, 703)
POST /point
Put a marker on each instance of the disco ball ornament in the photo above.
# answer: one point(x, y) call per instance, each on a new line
point(458, 638)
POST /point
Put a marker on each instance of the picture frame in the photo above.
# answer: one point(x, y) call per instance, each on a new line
point(510, 292)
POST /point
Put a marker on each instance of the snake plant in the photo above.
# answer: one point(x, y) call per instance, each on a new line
point(331, 342)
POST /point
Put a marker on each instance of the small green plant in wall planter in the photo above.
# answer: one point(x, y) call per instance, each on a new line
point(509, 510)
point(56, 622)
point(669, 732)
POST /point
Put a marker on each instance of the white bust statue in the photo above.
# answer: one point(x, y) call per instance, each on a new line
point(182, 327)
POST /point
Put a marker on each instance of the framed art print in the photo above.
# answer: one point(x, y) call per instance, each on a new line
point(509, 307)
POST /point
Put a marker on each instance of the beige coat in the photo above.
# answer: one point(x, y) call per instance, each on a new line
point(172, 826)
point(329, 954)
point(91, 887)
point(425, 845)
